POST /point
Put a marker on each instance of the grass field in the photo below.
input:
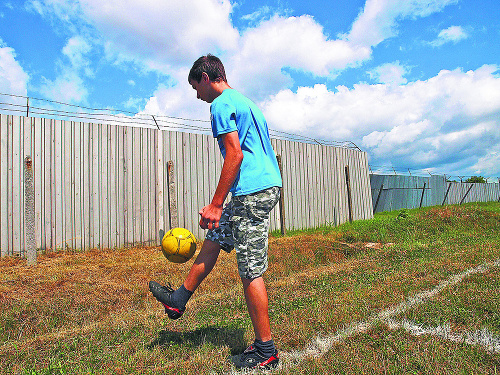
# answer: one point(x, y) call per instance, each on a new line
point(333, 293)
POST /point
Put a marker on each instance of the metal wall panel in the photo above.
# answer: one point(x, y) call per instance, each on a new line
point(406, 192)
point(106, 186)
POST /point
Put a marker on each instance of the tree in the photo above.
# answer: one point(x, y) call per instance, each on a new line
point(476, 179)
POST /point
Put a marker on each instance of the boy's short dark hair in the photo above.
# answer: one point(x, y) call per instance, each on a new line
point(209, 64)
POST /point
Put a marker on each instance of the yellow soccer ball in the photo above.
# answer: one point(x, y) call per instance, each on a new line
point(178, 245)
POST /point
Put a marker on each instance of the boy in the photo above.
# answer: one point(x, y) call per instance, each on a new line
point(250, 172)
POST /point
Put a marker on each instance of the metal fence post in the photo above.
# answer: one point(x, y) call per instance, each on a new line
point(446, 195)
point(422, 197)
point(29, 212)
point(282, 199)
point(378, 198)
point(462, 201)
point(349, 198)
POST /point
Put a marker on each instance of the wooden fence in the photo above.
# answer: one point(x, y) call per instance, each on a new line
point(390, 193)
point(107, 186)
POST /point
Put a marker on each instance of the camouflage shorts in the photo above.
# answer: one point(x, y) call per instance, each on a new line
point(244, 226)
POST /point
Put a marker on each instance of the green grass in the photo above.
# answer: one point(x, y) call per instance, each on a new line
point(91, 313)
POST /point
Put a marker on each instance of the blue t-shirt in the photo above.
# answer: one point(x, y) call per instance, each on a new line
point(231, 111)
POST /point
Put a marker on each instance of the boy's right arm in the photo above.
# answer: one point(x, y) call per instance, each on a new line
point(211, 214)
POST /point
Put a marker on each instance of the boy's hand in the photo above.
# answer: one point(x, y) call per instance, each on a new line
point(210, 216)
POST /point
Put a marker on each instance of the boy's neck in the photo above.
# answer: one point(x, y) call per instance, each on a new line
point(218, 87)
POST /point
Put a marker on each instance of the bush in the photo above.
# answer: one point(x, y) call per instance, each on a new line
point(476, 179)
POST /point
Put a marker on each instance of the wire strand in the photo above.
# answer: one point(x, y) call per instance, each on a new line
point(109, 115)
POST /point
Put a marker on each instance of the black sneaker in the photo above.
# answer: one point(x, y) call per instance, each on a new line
point(162, 294)
point(251, 358)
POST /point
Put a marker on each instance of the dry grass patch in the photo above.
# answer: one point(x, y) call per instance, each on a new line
point(91, 312)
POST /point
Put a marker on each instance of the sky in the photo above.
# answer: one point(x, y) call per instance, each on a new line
point(413, 83)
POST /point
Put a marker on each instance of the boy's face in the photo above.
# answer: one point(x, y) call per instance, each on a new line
point(202, 88)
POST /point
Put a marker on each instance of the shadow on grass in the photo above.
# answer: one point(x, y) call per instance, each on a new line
point(217, 336)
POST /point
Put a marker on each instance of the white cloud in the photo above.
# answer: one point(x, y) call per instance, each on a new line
point(13, 78)
point(168, 33)
point(258, 15)
point(452, 34)
point(489, 164)
point(76, 50)
point(168, 36)
point(297, 43)
point(177, 100)
point(379, 18)
point(390, 73)
point(35, 5)
point(67, 87)
point(422, 123)
point(134, 103)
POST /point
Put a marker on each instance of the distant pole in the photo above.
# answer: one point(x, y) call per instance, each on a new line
point(29, 212)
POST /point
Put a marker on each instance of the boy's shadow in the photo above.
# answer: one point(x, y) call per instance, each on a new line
point(217, 336)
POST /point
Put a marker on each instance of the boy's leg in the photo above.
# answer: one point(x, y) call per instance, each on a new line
point(257, 304)
point(175, 301)
point(204, 263)
point(262, 353)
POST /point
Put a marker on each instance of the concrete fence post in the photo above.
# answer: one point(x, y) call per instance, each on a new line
point(282, 199)
point(173, 217)
point(160, 184)
point(29, 212)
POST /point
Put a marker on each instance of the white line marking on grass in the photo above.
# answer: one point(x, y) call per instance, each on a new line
point(321, 345)
point(482, 337)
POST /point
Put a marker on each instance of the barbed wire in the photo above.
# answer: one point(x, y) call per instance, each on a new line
point(65, 111)
point(173, 123)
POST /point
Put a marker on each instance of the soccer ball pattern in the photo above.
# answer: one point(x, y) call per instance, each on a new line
point(178, 245)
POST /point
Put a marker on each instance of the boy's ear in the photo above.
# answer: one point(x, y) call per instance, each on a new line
point(205, 77)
